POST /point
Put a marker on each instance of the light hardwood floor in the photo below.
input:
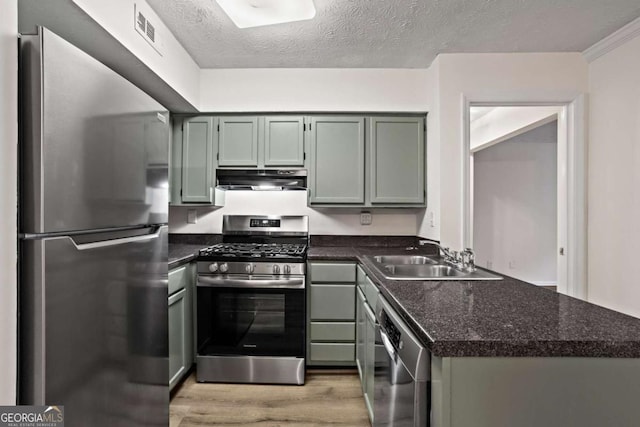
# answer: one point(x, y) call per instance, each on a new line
point(326, 399)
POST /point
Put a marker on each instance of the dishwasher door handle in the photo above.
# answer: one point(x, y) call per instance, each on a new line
point(388, 346)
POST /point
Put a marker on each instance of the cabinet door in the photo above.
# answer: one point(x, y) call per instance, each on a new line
point(369, 359)
point(197, 160)
point(283, 141)
point(337, 160)
point(238, 141)
point(397, 160)
point(177, 342)
point(360, 334)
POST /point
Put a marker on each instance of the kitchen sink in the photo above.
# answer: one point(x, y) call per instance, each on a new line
point(418, 267)
point(404, 259)
point(423, 270)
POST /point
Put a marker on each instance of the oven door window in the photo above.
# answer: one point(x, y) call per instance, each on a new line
point(251, 322)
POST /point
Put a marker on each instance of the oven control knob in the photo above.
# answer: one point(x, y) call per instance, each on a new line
point(224, 267)
point(213, 267)
point(276, 269)
point(287, 269)
point(249, 268)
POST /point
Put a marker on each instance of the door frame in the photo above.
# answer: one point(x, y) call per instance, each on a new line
point(572, 168)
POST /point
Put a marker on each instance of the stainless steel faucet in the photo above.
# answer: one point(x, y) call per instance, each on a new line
point(464, 260)
point(445, 253)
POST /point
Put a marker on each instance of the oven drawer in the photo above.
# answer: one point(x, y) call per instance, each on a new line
point(332, 272)
point(333, 302)
point(333, 331)
point(332, 352)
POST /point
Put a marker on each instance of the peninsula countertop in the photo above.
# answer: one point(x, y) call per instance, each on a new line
point(504, 318)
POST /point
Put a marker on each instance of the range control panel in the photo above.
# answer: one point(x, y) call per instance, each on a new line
point(264, 222)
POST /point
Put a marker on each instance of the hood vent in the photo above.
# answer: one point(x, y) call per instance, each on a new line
point(262, 179)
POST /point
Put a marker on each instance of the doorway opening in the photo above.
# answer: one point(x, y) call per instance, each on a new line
point(514, 191)
point(511, 222)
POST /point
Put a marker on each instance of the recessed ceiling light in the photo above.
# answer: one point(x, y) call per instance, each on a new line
point(256, 13)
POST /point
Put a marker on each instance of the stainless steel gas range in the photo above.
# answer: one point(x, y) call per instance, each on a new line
point(251, 298)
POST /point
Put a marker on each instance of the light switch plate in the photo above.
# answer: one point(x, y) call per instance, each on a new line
point(365, 218)
point(192, 216)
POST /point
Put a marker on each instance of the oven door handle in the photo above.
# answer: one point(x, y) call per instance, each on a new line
point(226, 282)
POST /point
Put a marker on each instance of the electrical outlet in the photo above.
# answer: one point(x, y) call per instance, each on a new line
point(489, 265)
point(192, 216)
point(432, 219)
point(365, 218)
point(512, 265)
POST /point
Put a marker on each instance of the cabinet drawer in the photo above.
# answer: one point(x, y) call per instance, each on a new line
point(333, 272)
point(333, 302)
point(371, 293)
point(332, 331)
point(332, 352)
point(360, 276)
point(178, 278)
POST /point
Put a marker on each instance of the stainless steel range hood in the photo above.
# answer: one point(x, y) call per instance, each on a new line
point(262, 179)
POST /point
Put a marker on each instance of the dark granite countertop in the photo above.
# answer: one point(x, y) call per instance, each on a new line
point(182, 253)
point(505, 318)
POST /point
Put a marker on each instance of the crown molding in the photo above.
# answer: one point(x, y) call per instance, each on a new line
point(612, 41)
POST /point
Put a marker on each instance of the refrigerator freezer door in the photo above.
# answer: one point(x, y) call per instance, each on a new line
point(94, 146)
point(94, 333)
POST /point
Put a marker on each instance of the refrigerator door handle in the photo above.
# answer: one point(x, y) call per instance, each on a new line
point(113, 242)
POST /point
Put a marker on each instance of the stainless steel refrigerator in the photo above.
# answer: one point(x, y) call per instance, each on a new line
point(93, 240)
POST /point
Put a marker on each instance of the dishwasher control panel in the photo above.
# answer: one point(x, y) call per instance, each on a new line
point(392, 331)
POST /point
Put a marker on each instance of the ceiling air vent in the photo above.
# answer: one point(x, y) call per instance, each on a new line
point(151, 32)
point(144, 27)
point(142, 21)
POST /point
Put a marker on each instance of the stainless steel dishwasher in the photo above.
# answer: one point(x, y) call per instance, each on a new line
point(402, 395)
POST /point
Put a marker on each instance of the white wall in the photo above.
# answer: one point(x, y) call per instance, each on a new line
point(515, 206)
point(492, 77)
point(305, 89)
point(175, 65)
point(8, 198)
point(614, 178)
point(321, 221)
point(429, 219)
point(503, 123)
point(105, 30)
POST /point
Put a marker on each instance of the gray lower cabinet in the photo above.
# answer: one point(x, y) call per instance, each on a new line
point(360, 333)
point(331, 330)
point(194, 154)
point(369, 359)
point(177, 341)
point(397, 160)
point(368, 341)
point(181, 330)
point(336, 169)
point(238, 141)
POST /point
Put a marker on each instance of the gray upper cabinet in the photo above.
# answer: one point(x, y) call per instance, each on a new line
point(397, 160)
point(197, 160)
point(283, 141)
point(238, 141)
point(336, 170)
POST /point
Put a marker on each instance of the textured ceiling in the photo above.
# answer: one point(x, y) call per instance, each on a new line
point(392, 33)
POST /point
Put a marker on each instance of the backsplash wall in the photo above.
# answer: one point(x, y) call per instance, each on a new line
point(321, 221)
